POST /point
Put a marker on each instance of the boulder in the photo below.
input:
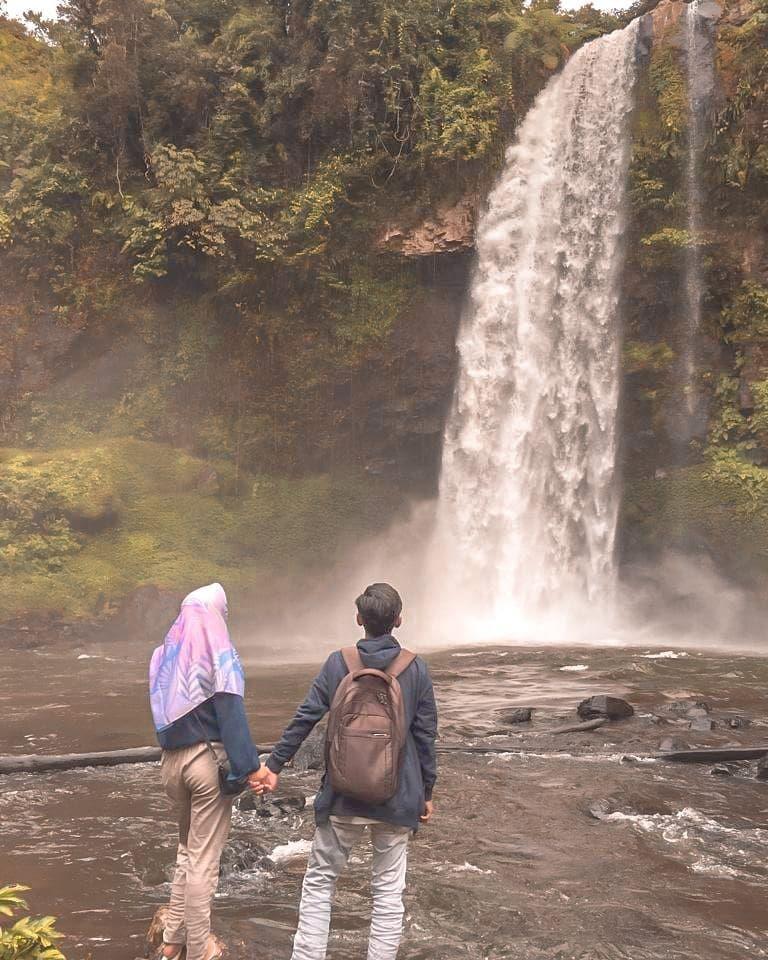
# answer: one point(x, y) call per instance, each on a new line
point(614, 708)
point(240, 856)
point(702, 724)
point(672, 745)
point(600, 809)
point(682, 708)
point(696, 712)
point(265, 806)
point(737, 723)
point(311, 754)
point(518, 715)
point(722, 770)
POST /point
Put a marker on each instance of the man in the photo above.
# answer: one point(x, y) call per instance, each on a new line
point(341, 819)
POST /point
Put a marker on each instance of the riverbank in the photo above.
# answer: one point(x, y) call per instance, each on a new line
point(557, 849)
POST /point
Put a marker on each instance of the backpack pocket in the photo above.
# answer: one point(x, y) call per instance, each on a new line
point(365, 768)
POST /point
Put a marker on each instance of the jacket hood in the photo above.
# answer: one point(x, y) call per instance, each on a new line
point(378, 652)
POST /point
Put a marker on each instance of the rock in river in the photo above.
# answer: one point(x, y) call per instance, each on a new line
point(279, 806)
point(761, 773)
point(614, 708)
point(311, 754)
point(702, 724)
point(672, 745)
point(519, 715)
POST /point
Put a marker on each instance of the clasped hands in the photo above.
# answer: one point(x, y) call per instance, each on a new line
point(263, 780)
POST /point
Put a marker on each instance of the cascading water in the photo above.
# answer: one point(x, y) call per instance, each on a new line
point(528, 493)
point(700, 78)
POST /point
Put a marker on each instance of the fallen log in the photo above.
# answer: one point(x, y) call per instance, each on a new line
point(712, 754)
point(578, 727)
point(37, 763)
point(41, 763)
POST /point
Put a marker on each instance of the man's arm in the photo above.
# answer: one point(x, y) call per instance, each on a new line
point(309, 714)
point(424, 730)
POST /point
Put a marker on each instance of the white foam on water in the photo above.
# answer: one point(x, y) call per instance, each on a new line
point(664, 655)
point(468, 867)
point(291, 850)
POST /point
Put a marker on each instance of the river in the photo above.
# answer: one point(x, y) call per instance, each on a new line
point(514, 865)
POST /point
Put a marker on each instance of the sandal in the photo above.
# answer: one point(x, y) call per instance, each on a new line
point(173, 956)
point(214, 949)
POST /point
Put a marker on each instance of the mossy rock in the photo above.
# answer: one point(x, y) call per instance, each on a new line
point(717, 508)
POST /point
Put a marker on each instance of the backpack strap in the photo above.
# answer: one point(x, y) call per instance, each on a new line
point(352, 659)
point(401, 663)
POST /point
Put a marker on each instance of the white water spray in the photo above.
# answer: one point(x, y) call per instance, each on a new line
point(528, 494)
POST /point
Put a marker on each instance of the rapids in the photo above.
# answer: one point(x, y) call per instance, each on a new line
point(514, 867)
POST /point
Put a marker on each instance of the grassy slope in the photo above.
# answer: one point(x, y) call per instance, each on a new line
point(178, 523)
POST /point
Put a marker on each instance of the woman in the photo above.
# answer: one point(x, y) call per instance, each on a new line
point(196, 690)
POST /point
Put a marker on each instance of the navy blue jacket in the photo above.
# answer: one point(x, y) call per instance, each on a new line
point(222, 719)
point(419, 771)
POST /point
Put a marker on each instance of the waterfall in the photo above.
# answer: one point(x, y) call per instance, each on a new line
point(528, 493)
point(700, 78)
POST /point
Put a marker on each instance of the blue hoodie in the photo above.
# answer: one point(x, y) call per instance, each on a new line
point(419, 770)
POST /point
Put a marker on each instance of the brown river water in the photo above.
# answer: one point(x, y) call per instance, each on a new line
point(513, 866)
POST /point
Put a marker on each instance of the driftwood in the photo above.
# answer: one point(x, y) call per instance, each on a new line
point(578, 727)
point(37, 763)
point(713, 754)
point(40, 763)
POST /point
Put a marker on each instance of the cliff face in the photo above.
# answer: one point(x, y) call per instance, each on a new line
point(289, 366)
point(694, 448)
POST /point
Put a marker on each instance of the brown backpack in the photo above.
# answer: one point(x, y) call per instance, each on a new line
point(367, 730)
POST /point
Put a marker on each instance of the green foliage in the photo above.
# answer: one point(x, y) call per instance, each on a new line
point(461, 114)
point(670, 238)
point(745, 318)
point(30, 938)
point(726, 422)
point(38, 502)
point(142, 512)
point(744, 65)
point(745, 482)
point(720, 506)
point(641, 357)
point(664, 247)
point(668, 83)
point(207, 180)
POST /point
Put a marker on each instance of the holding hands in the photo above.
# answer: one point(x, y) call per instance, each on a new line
point(263, 781)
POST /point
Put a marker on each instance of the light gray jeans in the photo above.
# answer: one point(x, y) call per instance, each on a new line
point(191, 780)
point(330, 850)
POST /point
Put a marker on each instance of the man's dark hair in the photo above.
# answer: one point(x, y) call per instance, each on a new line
point(379, 605)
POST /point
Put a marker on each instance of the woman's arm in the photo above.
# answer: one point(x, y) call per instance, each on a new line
point(235, 734)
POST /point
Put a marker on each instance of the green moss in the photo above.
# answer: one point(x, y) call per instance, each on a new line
point(640, 357)
point(668, 83)
point(719, 507)
point(173, 527)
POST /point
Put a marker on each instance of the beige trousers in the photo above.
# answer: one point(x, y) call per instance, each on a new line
point(191, 780)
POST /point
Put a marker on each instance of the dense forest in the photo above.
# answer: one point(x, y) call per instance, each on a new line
point(234, 242)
